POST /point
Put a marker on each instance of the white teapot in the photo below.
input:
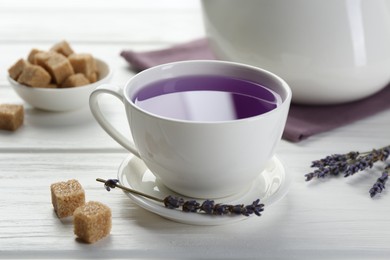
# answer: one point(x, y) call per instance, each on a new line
point(328, 51)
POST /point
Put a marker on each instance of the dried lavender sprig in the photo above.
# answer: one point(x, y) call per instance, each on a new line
point(348, 163)
point(207, 207)
point(351, 163)
point(379, 185)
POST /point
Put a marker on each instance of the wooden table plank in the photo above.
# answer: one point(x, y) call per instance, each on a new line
point(307, 221)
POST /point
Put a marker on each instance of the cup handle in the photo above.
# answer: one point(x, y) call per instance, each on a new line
point(101, 119)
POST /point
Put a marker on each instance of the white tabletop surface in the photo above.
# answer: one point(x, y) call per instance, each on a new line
point(334, 219)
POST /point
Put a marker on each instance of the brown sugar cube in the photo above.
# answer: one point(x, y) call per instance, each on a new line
point(62, 47)
point(75, 80)
point(16, 69)
point(31, 56)
point(40, 58)
point(83, 63)
point(66, 197)
point(56, 64)
point(93, 77)
point(34, 76)
point(11, 116)
point(92, 221)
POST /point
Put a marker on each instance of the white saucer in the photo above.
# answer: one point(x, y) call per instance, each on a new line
point(271, 185)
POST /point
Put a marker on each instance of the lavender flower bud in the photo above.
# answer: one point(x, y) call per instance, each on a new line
point(323, 172)
point(191, 206)
point(172, 202)
point(255, 208)
point(221, 209)
point(238, 209)
point(207, 206)
point(379, 185)
point(110, 184)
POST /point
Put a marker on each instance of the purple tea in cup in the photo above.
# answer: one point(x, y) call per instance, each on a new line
point(206, 98)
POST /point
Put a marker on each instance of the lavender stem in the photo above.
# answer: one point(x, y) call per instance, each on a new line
point(131, 190)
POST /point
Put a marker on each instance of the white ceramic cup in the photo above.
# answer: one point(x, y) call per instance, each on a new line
point(199, 159)
point(328, 51)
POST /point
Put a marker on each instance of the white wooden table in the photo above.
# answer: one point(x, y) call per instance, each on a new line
point(335, 219)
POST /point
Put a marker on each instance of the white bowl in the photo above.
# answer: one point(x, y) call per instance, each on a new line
point(328, 52)
point(61, 99)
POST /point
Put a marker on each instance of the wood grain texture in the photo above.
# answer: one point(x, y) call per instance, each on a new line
point(330, 219)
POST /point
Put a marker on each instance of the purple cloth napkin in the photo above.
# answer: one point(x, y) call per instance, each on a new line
point(303, 121)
